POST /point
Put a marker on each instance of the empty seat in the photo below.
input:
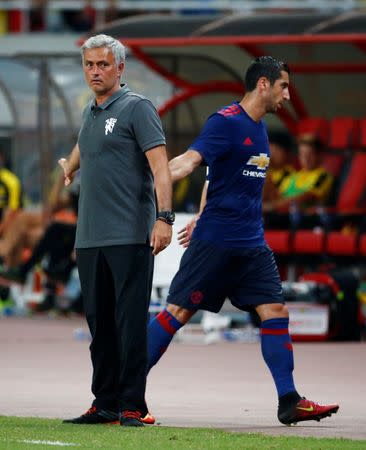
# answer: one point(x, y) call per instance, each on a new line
point(362, 245)
point(341, 244)
point(314, 125)
point(309, 242)
point(333, 163)
point(343, 133)
point(351, 195)
point(362, 124)
point(279, 241)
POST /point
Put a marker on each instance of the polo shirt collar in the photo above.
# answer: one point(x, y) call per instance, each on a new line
point(124, 89)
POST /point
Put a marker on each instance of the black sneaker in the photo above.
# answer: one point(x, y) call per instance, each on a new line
point(46, 305)
point(94, 416)
point(131, 419)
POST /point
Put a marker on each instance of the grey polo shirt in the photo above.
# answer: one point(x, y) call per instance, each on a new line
point(117, 202)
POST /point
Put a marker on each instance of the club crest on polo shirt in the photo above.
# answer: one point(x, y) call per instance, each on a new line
point(109, 125)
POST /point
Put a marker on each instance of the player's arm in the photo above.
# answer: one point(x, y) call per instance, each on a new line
point(180, 167)
point(203, 198)
point(70, 165)
point(161, 235)
point(185, 234)
point(184, 164)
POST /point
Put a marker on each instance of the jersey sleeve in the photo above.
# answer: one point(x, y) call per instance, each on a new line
point(146, 125)
point(214, 139)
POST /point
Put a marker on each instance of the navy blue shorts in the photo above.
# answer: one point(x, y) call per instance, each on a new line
point(209, 274)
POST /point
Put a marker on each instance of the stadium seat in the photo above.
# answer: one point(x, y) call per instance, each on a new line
point(333, 163)
point(343, 133)
point(352, 192)
point(341, 244)
point(308, 242)
point(314, 125)
point(362, 124)
point(15, 21)
point(279, 241)
point(362, 245)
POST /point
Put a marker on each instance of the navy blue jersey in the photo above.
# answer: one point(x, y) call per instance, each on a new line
point(236, 150)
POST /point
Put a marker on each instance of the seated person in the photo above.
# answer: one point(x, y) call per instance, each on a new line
point(57, 244)
point(302, 191)
point(280, 166)
point(27, 227)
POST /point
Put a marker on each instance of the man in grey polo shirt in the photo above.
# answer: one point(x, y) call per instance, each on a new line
point(121, 153)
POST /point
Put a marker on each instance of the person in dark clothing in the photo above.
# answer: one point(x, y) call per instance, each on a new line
point(122, 156)
point(56, 245)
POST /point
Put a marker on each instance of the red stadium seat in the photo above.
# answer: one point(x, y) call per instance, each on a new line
point(314, 125)
point(333, 163)
point(351, 194)
point(309, 242)
point(15, 20)
point(362, 244)
point(363, 133)
point(343, 133)
point(341, 244)
point(279, 241)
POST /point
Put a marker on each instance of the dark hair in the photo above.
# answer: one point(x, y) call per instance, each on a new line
point(312, 140)
point(281, 138)
point(264, 66)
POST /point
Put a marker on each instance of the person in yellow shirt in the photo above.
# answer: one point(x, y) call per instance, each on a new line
point(310, 186)
point(280, 166)
point(10, 195)
point(306, 188)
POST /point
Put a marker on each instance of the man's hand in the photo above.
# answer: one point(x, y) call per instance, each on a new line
point(161, 236)
point(68, 175)
point(185, 234)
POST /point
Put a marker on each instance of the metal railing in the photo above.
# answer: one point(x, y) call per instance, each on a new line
point(189, 5)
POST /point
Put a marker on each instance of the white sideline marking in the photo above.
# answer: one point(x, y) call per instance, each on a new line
point(59, 443)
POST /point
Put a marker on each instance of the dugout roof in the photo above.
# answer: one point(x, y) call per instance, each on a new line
point(205, 56)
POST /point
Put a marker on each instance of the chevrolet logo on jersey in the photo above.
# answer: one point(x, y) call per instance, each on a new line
point(260, 161)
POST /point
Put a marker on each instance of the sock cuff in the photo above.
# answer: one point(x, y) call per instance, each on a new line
point(275, 326)
point(168, 322)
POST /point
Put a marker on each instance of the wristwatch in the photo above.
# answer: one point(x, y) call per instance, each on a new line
point(166, 216)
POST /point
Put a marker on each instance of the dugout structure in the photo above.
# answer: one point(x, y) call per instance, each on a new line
point(204, 57)
point(188, 66)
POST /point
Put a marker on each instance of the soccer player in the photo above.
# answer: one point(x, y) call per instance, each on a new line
point(227, 256)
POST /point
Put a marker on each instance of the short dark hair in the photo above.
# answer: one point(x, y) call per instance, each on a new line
point(312, 141)
point(281, 138)
point(264, 66)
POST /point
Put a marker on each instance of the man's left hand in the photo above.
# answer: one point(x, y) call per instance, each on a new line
point(161, 236)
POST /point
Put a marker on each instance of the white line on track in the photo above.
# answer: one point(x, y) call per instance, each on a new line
point(56, 443)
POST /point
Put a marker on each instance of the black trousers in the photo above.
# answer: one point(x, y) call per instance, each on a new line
point(57, 243)
point(116, 286)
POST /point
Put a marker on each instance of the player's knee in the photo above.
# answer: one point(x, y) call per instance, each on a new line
point(181, 314)
point(272, 311)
